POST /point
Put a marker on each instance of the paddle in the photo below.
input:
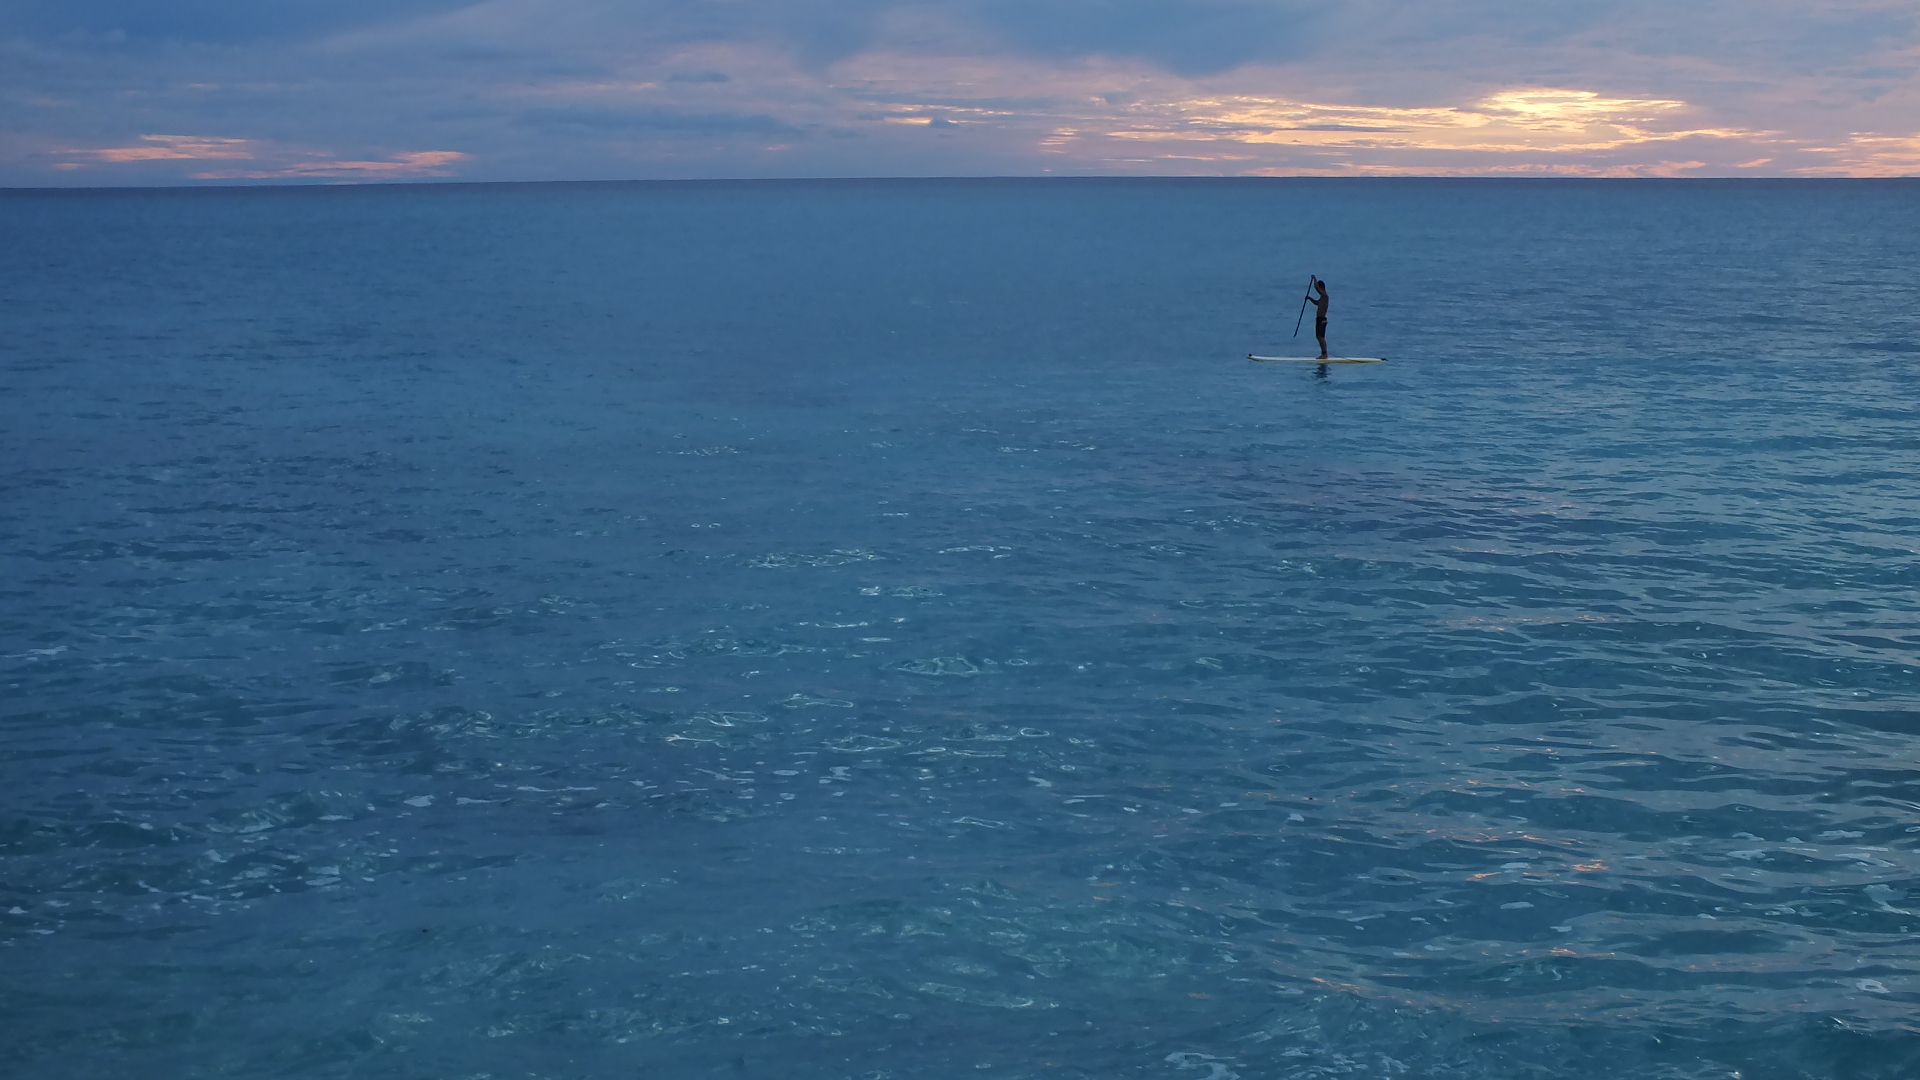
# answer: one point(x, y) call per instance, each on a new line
point(1303, 305)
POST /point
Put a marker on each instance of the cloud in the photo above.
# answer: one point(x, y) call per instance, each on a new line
point(219, 21)
point(644, 119)
point(1530, 120)
point(1192, 37)
point(165, 148)
point(1164, 123)
point(1868, 154)
point(556, 89)
point(408, 166)
point(270, 162)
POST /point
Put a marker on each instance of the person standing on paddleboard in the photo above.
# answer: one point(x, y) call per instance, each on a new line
point(1320, 315)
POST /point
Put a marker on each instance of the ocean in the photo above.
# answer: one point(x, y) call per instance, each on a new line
point(875, 630)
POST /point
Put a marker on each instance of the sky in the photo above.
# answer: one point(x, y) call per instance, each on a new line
point(147, 92)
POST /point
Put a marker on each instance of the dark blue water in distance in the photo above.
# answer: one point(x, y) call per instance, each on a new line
point(885, 630)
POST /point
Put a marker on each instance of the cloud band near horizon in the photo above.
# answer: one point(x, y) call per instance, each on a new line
point(109, 92)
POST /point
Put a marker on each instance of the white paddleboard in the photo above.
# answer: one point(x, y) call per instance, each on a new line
point(1317, 360)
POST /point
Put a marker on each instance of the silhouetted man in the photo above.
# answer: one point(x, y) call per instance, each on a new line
point(1320, 315)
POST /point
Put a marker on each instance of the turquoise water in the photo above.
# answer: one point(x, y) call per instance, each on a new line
point(885, 630)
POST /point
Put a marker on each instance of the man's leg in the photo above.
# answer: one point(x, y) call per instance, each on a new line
point(1321, 333)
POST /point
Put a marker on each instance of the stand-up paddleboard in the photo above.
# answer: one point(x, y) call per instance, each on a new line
point(1317, 360)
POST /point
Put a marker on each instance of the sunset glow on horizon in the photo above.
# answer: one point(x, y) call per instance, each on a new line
point(107, 93)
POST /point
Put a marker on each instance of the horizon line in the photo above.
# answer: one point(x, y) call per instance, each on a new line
point(257, 185)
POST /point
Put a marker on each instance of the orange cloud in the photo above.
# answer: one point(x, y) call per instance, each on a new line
point(1868, 154)
point(1536, 120)
point(1108, 115)
point(418, 163)
point(168, 148)
point(274, 159)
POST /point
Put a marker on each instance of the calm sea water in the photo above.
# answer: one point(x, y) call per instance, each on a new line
point(885, 630)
